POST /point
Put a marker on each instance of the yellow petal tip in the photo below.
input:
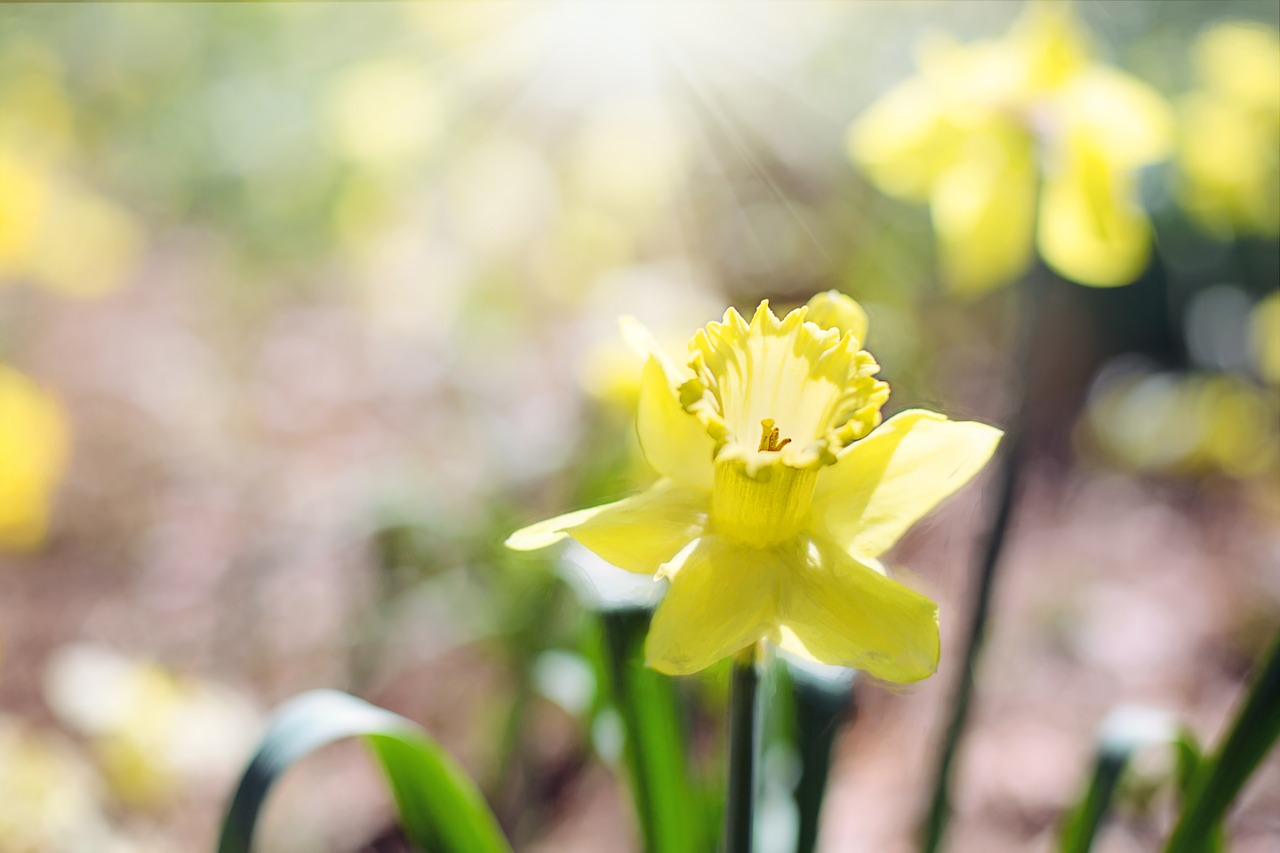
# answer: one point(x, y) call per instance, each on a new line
point(531, 539)
point(548, 532)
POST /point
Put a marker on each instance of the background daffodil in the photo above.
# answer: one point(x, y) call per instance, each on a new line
point(1229, 146)
point(780, 490)
point(33, 451)
point(983, 125)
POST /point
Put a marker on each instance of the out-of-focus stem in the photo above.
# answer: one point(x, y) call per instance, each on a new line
point(740, 789)
point(1012, 457)
point(820, 704)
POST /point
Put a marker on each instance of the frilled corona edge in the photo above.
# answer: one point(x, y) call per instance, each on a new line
point(817, 384)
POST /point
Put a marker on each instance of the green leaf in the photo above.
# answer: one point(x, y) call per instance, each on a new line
point(1217, 780)
point(1189, 758)
point(440, 808)
point(672, 817)
point(1124, 732)
point(1081, 827)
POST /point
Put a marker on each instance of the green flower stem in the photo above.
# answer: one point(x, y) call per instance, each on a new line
point(1009, 480)
point(1217, 780)
point(740, 788)
point(820, 704)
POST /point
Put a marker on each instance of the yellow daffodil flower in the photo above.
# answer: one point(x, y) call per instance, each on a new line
point(1229, 150)
point(49, 794)
point(55, 231)
point(150, 729)
point(33, 450)
point(1185, 424)
point(983, 125)
point(779, 491)
point(58, 233)
point(1264, 338)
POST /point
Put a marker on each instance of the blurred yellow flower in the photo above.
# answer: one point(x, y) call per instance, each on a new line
point(1229, 146)
point(33, 450)
point(49, 795)
point(22, 201)
point(984, 124)
point(1264, 338)
point(54, 231)
point(150, 730)
point(386, 112)
point(58, 233)
point(1185, 424)
point(776, 498)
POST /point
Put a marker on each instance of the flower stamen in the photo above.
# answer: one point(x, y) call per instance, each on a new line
point(769, 436)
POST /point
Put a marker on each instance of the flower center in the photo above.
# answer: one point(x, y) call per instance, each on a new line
point(743, 372)
point(769, 436)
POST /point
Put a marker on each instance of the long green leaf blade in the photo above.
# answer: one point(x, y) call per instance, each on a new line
point(1218, 779)
point(1126, 731)
point(439, 806)
point(670, 813)
point(1188, 757)
point(1088, 816)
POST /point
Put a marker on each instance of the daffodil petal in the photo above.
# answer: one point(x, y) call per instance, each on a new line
point(1238, 61)
point(888, 480)
point(638, 534)
point(1264, 337)
point(904, 140)
point(675, 442)
point(637, 337)
point(722, 598)
point(839, 611)
point(1092, 229)
point(982, 210)
point(34, 442)
point(546, 533)
point(1229, 177)
point(24, 198)
point(1126, 120)
point(831, 309)
point(640, 340)
point(1049, 42)
point(1230, 129)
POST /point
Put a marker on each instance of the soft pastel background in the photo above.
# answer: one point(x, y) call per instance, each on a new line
point(304, 308)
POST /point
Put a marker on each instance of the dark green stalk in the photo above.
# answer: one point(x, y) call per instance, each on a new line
point(1012, 457)
point(740, 787)
point(1218, 779)
point(820, 705)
